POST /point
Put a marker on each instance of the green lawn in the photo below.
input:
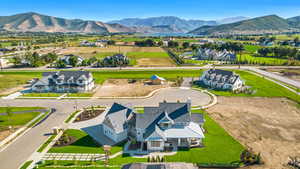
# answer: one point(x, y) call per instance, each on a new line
point(262, 88)
point(49, 140)
point(15, 79)
point(83, 144)
point(220, 147)
point(101, 55)
point(137, 55)
point(42, 94)
point(71, 116)
point(251, 48)
point(17, 119)
point(80, 94)
point(101, 76)
point(26, 164)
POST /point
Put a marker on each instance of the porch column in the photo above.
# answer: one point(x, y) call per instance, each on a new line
point(179, 141)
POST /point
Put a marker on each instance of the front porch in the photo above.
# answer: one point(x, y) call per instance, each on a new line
point(170, 145)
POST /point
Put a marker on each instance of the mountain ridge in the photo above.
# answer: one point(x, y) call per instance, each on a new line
point(264, 24)
point(35, 22)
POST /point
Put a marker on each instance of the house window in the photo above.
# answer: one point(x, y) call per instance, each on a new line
point(80, 81)
point(155, 143)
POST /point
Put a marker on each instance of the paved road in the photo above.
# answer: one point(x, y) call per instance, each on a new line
point(19, 151)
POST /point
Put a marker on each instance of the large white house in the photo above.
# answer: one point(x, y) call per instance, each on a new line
point(64, 82)
point(166, 127)
point(211, 54)
point(221, 79)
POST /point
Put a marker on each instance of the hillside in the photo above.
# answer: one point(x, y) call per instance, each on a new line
point(295, 21)
point(265, 24)
point(34, 22)
point(166, 23)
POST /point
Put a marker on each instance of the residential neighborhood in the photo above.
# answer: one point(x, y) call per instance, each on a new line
point(150, 85)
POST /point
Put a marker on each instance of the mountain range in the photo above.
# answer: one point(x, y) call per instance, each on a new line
point(171, 23)
point(34, 22)
point(264, 24)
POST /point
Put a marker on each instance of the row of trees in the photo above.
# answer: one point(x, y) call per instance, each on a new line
point(34, 59)
point(279, 52)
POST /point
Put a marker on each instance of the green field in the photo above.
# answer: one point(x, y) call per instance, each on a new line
point(101, 55)
point(249, 59)
point(83, 144)
point(219, 146)
point(15, 119)
point(14, 79)
point(251, 48)
point(262, 88)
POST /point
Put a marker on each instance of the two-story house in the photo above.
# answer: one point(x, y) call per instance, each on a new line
point(64, 82)
point(166, 127)
point(221, 79)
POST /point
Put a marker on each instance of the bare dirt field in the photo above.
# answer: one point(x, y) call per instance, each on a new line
point(289, 73)
point(154, 62)
point(11, 90)
point(90, 51)
point(270, 126)
point(122, 88)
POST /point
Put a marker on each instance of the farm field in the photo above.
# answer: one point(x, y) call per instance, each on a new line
point(269, 126)
point(141, 56)
point(249, 59)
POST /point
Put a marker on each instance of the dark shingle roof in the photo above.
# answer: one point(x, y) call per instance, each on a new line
point(229, 76)
point(68, 74)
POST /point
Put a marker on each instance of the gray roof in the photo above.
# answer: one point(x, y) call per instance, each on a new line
point(229, 76)
point(159, 166)
point(117, 117)
point(68, 74)
point(179, 112)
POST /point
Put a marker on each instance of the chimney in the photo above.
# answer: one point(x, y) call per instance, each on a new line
point(189, 102)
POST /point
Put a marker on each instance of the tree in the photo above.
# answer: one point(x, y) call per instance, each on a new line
point(16, 60)
point(173, 44)
point(60, 64)
point(73, 60)
point(186, 45)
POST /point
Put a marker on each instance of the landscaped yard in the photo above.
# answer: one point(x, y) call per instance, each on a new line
point(250, 59)
point(219, 146)
point(83, 144)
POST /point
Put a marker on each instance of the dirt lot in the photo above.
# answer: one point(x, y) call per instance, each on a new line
point(122, 88)
point(11, 90)
point(5, 133)
point(289, 73)
point(270, 126)
point(90, 51)
point(154, 62)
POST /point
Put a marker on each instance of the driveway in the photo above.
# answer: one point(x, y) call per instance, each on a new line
point(20, 150)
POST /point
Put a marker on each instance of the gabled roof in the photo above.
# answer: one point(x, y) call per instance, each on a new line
point(67, 75)
point(157, 134)
point(117, 117)
point(229, 76)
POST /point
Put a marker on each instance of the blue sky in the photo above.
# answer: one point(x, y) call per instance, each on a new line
point(105, 10)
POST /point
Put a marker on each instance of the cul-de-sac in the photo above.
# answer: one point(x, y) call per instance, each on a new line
point(154, 85)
